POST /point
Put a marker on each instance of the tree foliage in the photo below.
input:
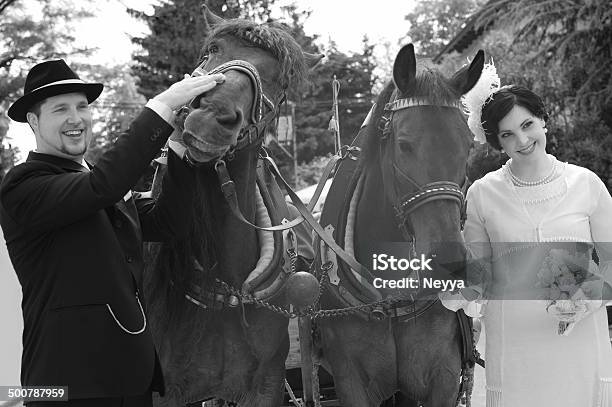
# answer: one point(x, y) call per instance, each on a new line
point(314, 138)
point(571, 36)
point(354, 72)
point(27, 38)
point(177, 33)
point(433, 23)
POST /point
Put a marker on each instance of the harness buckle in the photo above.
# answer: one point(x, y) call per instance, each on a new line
point(351, 152)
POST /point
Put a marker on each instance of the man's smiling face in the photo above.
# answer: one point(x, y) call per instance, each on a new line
point(63, 127)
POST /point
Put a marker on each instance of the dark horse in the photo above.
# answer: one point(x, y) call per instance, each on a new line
point(211, 341)
point(408, 178)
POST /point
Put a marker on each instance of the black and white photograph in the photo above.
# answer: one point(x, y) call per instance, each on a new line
point(305, 203)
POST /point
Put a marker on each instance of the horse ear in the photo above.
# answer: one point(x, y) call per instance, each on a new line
point(466, 77)
point(404, 69)
point(312, 60)
point(211, 18)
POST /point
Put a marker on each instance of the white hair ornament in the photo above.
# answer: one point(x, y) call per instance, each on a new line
point(474, 100)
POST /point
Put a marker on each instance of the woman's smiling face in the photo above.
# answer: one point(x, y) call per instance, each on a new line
point(522, 135)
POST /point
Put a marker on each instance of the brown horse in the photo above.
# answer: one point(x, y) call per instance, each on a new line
point(408, 178)
point(211, 341)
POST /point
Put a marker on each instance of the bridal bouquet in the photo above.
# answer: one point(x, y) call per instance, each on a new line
point(569, 287)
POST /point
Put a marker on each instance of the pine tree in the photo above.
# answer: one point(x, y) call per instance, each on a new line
point(354, 73)
point(433, 23)
point(178, 30)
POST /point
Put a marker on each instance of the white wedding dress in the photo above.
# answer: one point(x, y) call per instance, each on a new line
point(527, 363)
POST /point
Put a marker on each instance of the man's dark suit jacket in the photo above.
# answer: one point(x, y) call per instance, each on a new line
point(76, 246)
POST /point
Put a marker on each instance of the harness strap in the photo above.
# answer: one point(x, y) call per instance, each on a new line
point(254, 131)
point(307, 215)
point(228, 189)
point(250, 70)
point(469, 355)
point(430, 192)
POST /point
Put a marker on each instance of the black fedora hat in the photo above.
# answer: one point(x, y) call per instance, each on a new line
point(50, 78)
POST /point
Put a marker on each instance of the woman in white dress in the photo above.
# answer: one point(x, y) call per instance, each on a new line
point(534, 199)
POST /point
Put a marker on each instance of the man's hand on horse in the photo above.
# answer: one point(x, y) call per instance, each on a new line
point(182, 92)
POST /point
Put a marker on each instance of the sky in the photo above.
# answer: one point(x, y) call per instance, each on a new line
point(343, 21)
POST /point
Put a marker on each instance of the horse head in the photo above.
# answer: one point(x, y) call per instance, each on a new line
point(420, 147)
point(260, 62)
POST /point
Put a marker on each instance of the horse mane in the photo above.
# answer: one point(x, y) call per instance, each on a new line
point(174, 272)
point(273, 37)
point(429, 85)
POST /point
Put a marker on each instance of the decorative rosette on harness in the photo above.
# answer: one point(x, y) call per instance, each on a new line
point(474, 100)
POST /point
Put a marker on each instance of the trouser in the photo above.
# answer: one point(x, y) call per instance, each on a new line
point(144, 400)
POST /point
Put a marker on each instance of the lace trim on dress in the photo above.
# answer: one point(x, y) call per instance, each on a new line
point(512, 249)
point(565, 239)
point(604, 399)
point(494, 398)
point(542, 200)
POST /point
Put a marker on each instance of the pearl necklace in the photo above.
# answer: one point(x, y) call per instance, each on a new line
point(521, 183)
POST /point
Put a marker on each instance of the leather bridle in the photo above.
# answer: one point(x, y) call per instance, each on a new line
point(422, 194)
point(253, 132)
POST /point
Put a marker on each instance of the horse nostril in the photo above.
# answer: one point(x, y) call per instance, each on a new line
point(229, 117)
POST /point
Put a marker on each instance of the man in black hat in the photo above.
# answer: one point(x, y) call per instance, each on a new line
point(74, 235)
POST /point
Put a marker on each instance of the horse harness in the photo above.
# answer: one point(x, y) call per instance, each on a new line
point(252, 133)
point(223, 295)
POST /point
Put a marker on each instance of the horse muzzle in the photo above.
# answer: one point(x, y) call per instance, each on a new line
point(208, 135)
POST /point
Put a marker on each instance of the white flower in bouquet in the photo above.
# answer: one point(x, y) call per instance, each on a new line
point(570, 288)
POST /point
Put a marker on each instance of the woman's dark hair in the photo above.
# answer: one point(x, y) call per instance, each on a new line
point(500, 104)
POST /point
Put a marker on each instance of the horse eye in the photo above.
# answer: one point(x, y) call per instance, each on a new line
point(212, 48)
point(404, 146)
